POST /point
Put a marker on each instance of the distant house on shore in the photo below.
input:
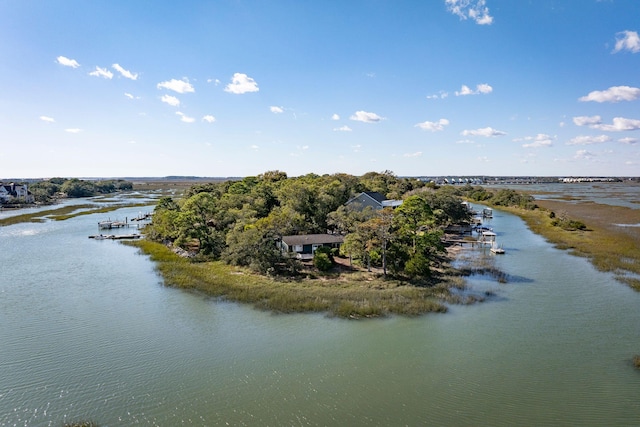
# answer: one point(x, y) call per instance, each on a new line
point(304, 246)
point(372, 199)
point(13, 191)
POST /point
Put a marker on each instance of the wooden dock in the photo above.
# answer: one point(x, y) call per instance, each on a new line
point(115, 236)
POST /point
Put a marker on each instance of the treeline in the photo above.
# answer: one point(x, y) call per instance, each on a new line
point(240, 222)
point(503, 197)
point(49, 190)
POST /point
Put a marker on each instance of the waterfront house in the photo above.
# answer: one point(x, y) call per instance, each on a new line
point(15, 191)
point(304, 246)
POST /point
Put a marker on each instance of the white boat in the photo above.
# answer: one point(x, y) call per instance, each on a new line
point(487, 213)
point(496, 249)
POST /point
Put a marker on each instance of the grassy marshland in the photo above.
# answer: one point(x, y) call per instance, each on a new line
point(98, 210)
point(40, 216)
point(350, 295)
point(65, 212)
point(608, 246)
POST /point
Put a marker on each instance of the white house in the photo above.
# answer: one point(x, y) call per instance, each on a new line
point(20, 192)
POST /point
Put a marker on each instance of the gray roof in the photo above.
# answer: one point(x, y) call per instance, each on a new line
point(376, 196)
point(312, 239)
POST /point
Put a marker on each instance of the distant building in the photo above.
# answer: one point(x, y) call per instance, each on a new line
point(13, 191)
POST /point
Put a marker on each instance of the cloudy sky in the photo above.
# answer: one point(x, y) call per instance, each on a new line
point(239, 87)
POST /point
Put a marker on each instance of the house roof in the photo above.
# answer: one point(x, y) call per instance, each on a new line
point(375, 197)
point(312, 239)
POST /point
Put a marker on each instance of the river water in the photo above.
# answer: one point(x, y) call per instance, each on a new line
point(89, 332)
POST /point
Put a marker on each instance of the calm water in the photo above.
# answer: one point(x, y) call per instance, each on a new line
point(88, 331)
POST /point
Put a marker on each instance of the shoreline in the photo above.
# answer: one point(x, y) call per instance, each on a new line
point(355, 294)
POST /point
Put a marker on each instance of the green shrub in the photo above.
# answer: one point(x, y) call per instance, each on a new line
point(322, 261)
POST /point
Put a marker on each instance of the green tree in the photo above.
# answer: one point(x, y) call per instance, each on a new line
point(193, 221)
point(78, 188)
point(322, 259)
point(412, 218)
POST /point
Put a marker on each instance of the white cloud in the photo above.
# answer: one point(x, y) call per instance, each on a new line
point(627, 40)
point(62, 60)
point(216, 82)
point(440, 95)
point(335, 117)
point(433, 126)
point(342, 129)
point(255, 147)
point(540, 140)
point(629, 141)
point(241, 83)
point(618, 124)
point(47, 119)
point(588, 139)
point(486, 132)
point(416, 154)
point(180, 86)
point(73, 130)
point(171, 100)
point(583, 155)
point(587, 120)
point(366, 117)
point(102, 72)
point(613, 94)
point(125, 73)
point(185, 118)
point(128, 95)
point(470, 9)
point(208, 118)
point(482, 88)
point(276, 110)
point(464, 90)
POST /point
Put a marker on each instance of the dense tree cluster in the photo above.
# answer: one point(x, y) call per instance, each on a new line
point(46, 191)
point(501, 197)
point(241, 221)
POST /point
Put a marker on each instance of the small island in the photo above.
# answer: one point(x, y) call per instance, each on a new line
point(349, 246)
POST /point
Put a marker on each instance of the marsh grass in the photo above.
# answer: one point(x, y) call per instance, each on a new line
point(104, 209)
point(66, 212)
point(348, 295)
point(41, 215)
point(609, 247)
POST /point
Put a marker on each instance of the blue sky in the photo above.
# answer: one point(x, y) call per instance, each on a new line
point(238, 87)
